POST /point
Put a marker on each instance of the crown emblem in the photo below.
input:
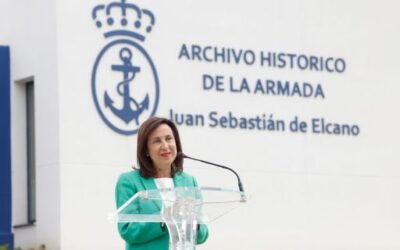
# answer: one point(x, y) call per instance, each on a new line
point(120, 18)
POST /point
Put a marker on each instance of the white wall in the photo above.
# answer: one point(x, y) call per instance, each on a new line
point(29, 28)
point(308, 190)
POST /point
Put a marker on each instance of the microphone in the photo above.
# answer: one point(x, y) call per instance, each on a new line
point(240, 185)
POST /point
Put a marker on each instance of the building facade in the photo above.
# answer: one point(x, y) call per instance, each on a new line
point(299, 98)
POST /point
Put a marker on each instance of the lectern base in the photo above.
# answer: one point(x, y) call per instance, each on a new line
point(182, 246)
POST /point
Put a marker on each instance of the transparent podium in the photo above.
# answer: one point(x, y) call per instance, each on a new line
point(181, 209)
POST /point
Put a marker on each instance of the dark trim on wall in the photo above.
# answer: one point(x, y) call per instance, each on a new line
point(6, 235)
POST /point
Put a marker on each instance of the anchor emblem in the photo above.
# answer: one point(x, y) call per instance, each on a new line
point(126, 113)
point(124, 82)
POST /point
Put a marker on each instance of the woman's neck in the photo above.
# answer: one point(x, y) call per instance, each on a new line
point(163, 173)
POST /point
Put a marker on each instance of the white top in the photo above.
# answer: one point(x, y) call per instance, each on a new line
point(163, 183)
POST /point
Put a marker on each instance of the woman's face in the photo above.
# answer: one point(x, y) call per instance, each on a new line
point(161, 147)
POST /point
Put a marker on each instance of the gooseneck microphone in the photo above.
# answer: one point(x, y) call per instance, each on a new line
point(240, 185)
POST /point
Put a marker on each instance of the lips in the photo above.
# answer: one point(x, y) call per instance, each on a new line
point(166, 154)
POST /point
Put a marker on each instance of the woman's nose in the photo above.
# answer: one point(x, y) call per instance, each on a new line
point(163, 144)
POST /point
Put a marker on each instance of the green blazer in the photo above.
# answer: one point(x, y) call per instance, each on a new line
point(148, 236)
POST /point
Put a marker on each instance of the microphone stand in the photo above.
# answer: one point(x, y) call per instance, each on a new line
point(240, 185)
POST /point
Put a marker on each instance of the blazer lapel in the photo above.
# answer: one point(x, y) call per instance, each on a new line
point(149, 184)
point(178, 180)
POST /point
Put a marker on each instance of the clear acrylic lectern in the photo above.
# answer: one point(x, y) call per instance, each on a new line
point(181, 209)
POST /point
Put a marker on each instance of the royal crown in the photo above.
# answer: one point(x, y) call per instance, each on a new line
point(122, 18)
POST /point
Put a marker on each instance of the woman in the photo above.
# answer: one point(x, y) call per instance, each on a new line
point(158, 144)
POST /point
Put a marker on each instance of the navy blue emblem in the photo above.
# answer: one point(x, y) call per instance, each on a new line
point(125, 84)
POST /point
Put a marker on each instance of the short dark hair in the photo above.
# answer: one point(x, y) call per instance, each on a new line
point(145, 163)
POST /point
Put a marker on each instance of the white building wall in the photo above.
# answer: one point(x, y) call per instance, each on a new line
point(29, 28)
point(308, 191)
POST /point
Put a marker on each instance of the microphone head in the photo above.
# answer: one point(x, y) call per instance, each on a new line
point(181, 155)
